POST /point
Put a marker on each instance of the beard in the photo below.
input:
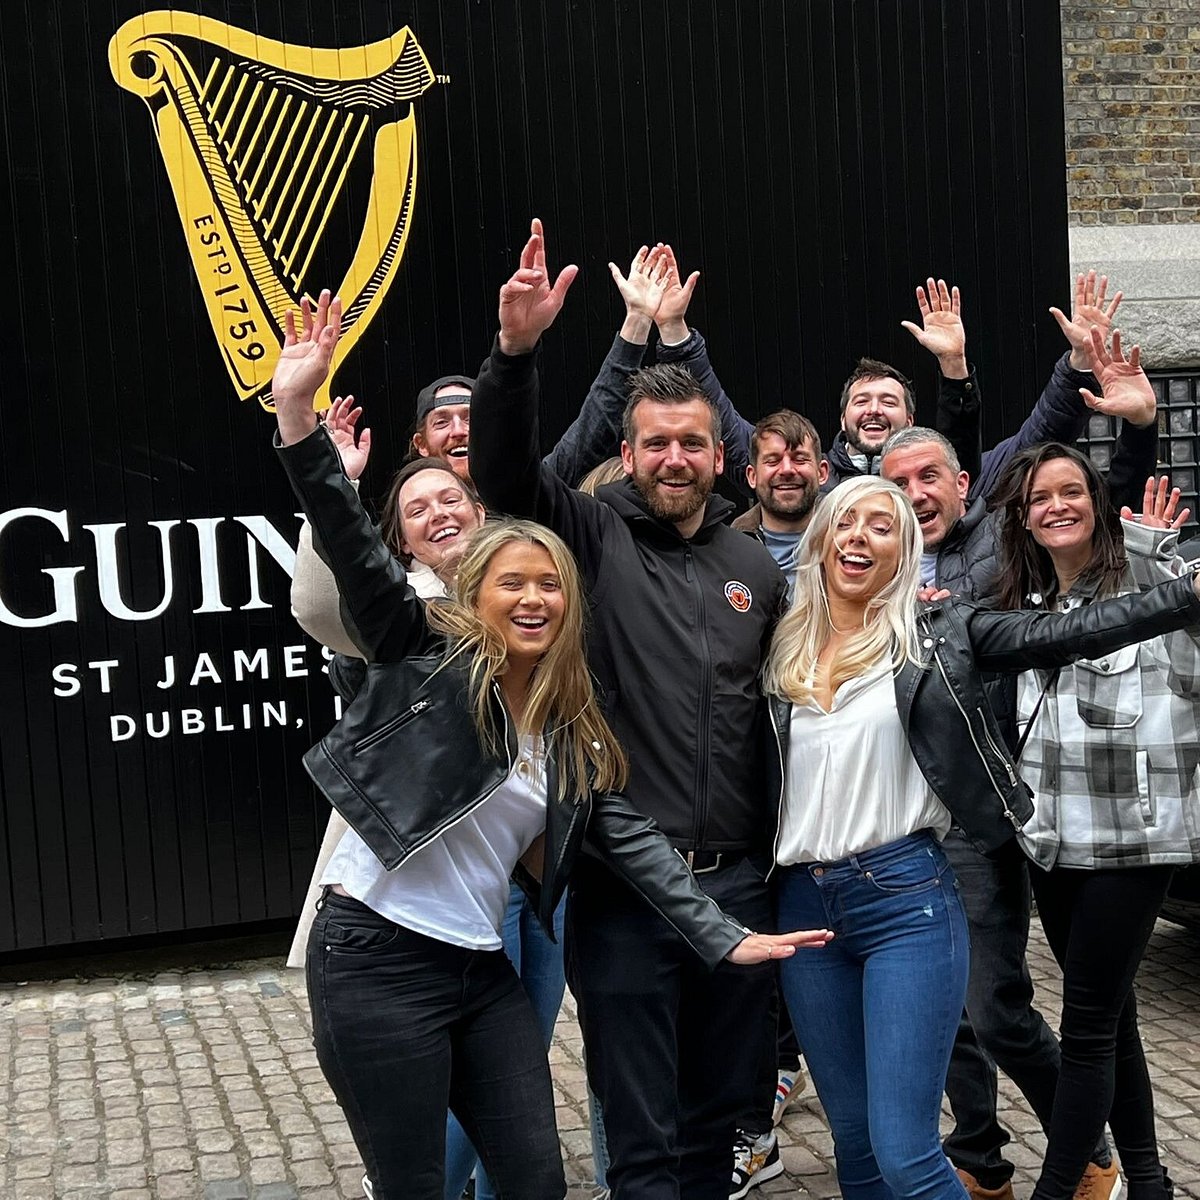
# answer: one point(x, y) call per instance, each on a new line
point(868, 443)
point(670, 505)
point(791, 506)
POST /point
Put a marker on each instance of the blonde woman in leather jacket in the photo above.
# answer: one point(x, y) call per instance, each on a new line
point(474, 751)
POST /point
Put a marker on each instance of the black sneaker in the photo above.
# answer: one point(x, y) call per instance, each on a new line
point(755, 1160)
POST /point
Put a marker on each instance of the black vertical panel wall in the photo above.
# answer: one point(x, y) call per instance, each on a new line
point(814, 159)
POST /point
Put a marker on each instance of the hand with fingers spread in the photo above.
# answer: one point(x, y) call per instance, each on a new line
point(528, 302)
point(304, 364)
point(941, 331)
point(1089, 310)
point(353, 445)
point(759, 947)
point(678, 295)
point(642, 290)
point(1127, 393)
point(1159, 506)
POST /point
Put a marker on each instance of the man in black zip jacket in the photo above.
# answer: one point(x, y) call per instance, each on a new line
point(1001, 1025)
point(682, 610)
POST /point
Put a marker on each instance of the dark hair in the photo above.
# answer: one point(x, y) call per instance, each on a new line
point(872, 368)
point(666, 383)
point(1024, 567)
point(390, 523)
point(794, 429)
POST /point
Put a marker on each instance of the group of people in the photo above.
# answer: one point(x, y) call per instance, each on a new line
point(600, 736)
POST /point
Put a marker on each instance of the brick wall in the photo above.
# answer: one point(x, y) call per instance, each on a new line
point(1132, 77)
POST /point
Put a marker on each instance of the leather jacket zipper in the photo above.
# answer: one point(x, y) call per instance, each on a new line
point(1012, 778)
point(462, 816)
point(1008, 812)
point(395, 723)
point(782, 789)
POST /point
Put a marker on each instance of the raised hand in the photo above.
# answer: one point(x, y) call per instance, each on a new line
point(1158, 506)
point(941, 331)
point(353, 445)
point(645, 285)
point(1127, 393)
point(678, 295)
point(528, 302)
point(1089, 310)
point(304, 364)
point(758, 947)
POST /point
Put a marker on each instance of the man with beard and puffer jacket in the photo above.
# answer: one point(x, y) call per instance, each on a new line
point(1001, 1026)
point(682, 608)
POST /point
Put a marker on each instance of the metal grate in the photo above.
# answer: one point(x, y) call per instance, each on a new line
point(1178, 436)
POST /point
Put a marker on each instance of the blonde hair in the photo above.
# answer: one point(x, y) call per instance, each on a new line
point(611, 470)
point(889, 622)
point(562, 700)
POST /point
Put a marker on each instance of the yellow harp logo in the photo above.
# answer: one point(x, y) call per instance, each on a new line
point(260, 139)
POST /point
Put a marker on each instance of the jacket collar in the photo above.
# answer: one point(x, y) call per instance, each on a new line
point(629, 504)
point(966, 525)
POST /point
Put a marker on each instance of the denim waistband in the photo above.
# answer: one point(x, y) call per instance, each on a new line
point(878, 856)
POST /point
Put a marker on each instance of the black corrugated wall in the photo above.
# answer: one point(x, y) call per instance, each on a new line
point(814, 159)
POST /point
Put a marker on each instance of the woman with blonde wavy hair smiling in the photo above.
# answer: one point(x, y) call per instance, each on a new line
point(474, 751)
point(883, 736)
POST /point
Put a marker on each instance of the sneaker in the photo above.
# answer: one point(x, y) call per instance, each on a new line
point(755, 1160)
point(977, 1191)
point(368, 1190)
point(1099, 1183)
point(789, 1085)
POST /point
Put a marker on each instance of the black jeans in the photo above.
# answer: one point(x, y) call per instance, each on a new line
point(672, 1048)
point(1000, 1025)
point(1098, 924)
point(405, 1026)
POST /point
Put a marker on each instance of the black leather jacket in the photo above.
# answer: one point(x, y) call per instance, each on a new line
point(951, 730)
point(405, 762)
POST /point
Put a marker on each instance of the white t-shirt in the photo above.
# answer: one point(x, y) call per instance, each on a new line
point(456, 888)
point(852, 781)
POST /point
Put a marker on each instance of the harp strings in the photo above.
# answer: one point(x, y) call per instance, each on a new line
point(287, 156)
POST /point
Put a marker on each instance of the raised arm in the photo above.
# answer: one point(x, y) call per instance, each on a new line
point(595, 434)
point(1060, 413)
point(504, 414)
point(679, 344)
point(943, 334)
point(381, 613)
point(1151, 541)
point(1128, 394)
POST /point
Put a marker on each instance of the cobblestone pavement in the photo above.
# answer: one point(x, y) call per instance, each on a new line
point(202, 1082)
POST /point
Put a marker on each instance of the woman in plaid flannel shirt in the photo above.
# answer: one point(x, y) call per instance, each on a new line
point(1113, 758)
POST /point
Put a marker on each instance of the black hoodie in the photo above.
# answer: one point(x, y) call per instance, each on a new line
point(678, 626)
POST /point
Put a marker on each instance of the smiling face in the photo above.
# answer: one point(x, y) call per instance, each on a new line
point(939, 495)
point(445, 431)
point(862, 552)
point(521, 598)
point(436, 516)
point(786, 481)
point(673, 461)
point(876, 409)
point(1061, 516)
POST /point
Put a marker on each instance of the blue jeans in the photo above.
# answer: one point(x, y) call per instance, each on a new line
point(877, 1009)
point(539, 963)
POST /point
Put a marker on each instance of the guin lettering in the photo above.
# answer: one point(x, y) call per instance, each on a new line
point(111, 565)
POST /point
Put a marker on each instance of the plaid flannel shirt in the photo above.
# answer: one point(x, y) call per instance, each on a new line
point(1114, 755)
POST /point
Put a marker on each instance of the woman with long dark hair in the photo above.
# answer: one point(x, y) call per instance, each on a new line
point(1113, 758)
point(474, 752)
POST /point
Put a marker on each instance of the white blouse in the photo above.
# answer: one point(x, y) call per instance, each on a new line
point(456, 888)
point(852, 781)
